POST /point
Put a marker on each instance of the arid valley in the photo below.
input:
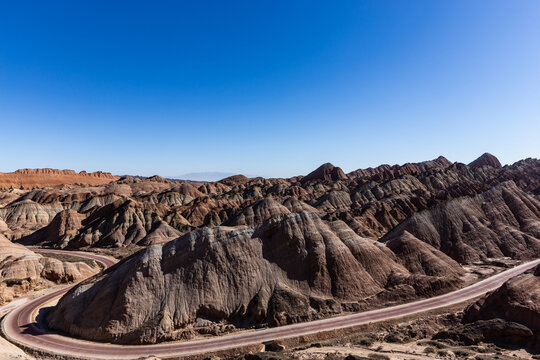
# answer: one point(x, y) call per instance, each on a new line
point(157, 261)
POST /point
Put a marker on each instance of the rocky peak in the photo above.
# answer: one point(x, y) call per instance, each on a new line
point(486, 160)
point(325, 172)
point(157, 178)
point(258, 212)
point(234, 180)
point(444, 162)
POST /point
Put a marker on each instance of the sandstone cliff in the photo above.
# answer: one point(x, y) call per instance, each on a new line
point(326, 172)
point(37, 178)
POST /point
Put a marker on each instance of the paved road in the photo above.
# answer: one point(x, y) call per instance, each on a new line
point(19, 326)
point(105, 260)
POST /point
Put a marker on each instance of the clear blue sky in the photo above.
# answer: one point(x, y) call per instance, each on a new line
point(272, 88)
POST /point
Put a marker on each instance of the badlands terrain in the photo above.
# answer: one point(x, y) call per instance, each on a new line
point(206, 259)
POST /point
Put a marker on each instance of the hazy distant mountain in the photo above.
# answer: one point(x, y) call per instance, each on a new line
point(204, 176)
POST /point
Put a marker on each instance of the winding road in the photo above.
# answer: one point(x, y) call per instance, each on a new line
point(104, 260)
point(19, 325)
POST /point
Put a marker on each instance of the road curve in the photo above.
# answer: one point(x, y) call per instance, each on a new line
point(19, 326)
point(105, 260)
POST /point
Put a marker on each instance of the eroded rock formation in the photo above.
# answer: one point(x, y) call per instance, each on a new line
point(503, 221)
point(294, 267)
point(486, 160)
point(22, 270)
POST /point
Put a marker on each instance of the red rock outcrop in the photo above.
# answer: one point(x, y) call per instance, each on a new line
point(258, 212)
point(421, 258)
point(26, 216)
point(517, 300)
point(486, 159)
point(386, 172)
point(37, 178)
point(121, 223)
point(325, 172)
point(370, 207)
point(234, 180)
point(63, 227)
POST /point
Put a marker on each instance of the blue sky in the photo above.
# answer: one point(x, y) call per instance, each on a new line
point(271, 88)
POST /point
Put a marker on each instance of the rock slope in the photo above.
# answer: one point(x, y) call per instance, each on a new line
point(294, 267)
point(22, 270)
point(390, 172)
point(503, 221)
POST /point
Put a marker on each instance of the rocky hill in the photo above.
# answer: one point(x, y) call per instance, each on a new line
point(486, 160)
point(326, 172)
point(123, 212)
point(517, 300)
point(294, 267)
